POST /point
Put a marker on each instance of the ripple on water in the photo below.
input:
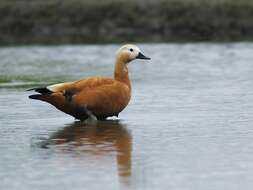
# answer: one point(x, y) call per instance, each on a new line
point(188, 125)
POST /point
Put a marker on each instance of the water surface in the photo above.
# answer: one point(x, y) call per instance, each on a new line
point(188, 125)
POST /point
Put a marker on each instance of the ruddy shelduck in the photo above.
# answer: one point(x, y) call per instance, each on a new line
point(95, 97)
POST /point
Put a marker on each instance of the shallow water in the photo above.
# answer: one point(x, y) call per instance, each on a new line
point(188, 126)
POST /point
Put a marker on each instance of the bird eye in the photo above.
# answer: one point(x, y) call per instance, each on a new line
point(131, 49)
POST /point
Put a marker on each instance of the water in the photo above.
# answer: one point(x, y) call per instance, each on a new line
point(188, 126)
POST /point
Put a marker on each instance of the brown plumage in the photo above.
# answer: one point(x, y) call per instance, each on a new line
point(101, 97)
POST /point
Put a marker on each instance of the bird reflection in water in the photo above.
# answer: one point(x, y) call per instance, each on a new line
point(100, 138)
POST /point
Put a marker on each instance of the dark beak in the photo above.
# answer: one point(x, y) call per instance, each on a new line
point(141, 56)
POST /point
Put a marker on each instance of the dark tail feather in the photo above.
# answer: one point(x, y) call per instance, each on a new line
point(42, 90)
point(35, 96)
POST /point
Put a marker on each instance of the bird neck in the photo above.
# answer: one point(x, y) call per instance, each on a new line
point(121, 72)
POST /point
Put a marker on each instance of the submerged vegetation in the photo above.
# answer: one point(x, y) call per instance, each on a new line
point(87, 21)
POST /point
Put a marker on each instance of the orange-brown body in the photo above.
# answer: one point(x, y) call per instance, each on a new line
point(103, 97)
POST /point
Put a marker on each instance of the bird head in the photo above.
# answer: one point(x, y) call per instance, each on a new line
point(130, 52)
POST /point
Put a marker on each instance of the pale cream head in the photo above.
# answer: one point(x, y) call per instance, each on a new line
point(130, 52)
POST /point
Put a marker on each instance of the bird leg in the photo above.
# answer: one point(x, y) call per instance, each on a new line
point(90, 114)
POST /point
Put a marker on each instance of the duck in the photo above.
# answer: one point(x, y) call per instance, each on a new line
point(95, 98)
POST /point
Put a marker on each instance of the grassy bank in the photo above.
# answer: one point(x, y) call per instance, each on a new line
point(82, 21)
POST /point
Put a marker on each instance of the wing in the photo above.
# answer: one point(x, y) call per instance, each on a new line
point(80, 85)
point(57, 94)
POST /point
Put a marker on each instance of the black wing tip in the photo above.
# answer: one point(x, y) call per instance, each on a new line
point(35, 96)
point(41, 90)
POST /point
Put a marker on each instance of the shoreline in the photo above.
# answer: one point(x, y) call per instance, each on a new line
point(87, 22)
